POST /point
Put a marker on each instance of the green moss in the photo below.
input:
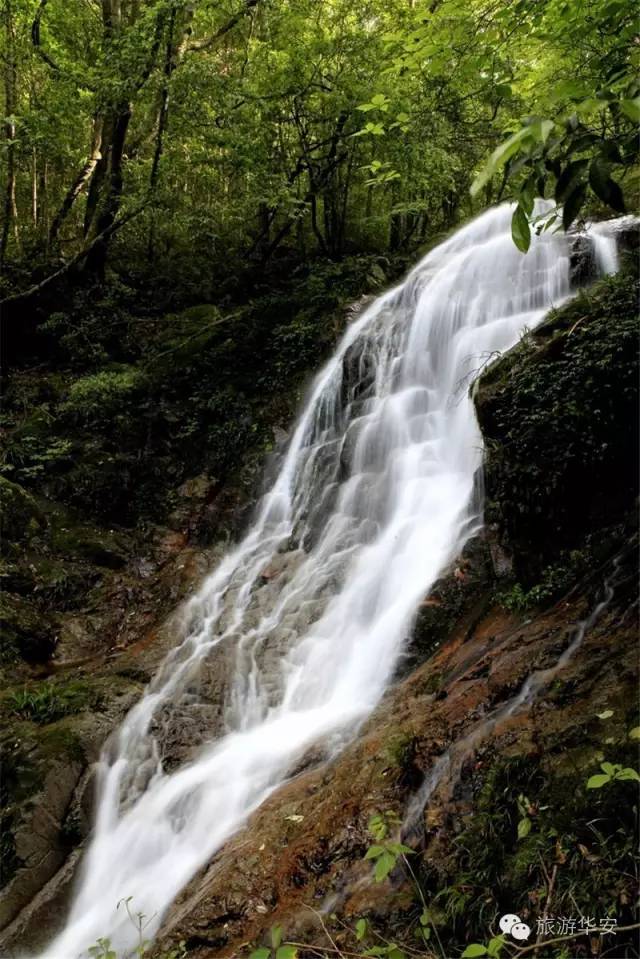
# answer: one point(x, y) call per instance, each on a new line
point(492, 869)
point(103, 398)
point(554, 581)
point(433, 682)
point(400, 748)
point(48, 702)
point(61, 741)
point(97, 546)
point(24, 630)
point(20, 516)
point(559, 414)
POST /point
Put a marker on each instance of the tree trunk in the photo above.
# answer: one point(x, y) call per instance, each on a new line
point(10, 84)
point(80, 181)
point(106, 207)
point(34, 189)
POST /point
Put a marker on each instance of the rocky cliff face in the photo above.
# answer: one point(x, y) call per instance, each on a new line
point(517, 683)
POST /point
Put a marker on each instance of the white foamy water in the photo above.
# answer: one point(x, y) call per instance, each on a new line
point(375, 496)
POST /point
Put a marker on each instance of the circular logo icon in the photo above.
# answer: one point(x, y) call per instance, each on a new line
point(520, 930)
point(508, 921)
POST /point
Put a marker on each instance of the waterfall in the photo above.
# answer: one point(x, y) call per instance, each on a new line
point(302, 623)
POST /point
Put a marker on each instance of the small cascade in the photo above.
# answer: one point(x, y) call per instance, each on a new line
point(450, 763)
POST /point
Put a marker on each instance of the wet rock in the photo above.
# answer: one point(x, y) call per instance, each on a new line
point(457, 597)
point(25, 631)
point(192, 498)
point(283, 565)
point(20, 515)
point(101, 547)
point(281, 438)
point(582, 260)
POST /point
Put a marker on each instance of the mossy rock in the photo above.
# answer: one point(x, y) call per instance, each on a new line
point(25, 632)
point(560, 422)
point(20, 515)
point(100, 547)
point(47, 702)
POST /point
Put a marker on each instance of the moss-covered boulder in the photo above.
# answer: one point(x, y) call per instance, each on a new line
point(24, 631)
point(559, 417)
point(20, 516)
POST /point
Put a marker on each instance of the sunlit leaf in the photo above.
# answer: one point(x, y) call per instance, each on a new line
point(597, 781)
point(520, 230)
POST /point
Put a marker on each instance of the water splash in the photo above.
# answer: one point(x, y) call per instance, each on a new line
point(305, 618)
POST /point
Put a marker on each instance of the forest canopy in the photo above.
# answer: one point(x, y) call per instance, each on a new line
point(202, 136)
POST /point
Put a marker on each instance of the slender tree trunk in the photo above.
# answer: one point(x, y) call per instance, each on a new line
point(10, 84)
point(43, 191)
point(83, 177)
point(173, 55)
point(106, 210)
point(34, 189)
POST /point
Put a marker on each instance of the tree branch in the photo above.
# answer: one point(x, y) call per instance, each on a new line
point(577, 935)
point(35, 38)
point(110, 230)
point(207, 42)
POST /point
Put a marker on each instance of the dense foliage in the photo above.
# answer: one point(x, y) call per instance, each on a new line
point(559, 417)
point(192, 191)
point(200, 139)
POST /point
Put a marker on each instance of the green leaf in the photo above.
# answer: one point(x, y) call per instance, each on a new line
point(378, 827)
point(604, 187)
point(524, 828)
point(598, 781)
point(520, 229)
point(384, 865)
point(628, 773)
point(495, 946)
point(373, 852)
point(631, 108)
point(276, 936)
point(499, 157)
point(475, 949)
point(286, 952)
point(573, 89)
point(569, 178)
point(634, 733)
point(262, 953)
point(607, 714)
point(591, 105)
point(361, 929)
point(541, 129)
point(573, 205)
point(608, 768)
point(399, 849)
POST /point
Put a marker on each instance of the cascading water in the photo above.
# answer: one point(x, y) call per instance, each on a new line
point(309, 613)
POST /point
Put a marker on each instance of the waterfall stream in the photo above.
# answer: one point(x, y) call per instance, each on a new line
point(302, 623)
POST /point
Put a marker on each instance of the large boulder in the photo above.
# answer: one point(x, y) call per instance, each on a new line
point(20, 515)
